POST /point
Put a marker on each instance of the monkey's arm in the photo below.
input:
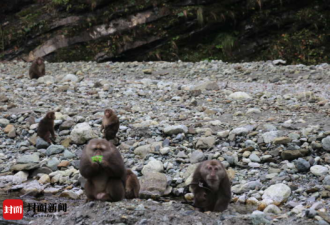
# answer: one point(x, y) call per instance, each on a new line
point(52, 132)
point(43, 72)
point(87, 167)
point(113, 166)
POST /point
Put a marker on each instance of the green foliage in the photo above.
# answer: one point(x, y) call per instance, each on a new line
point(300, 47)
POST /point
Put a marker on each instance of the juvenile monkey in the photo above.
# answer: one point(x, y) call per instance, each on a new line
point(110, 124)
point(132, 185)
point(46, 127)
point(211, 186)
point(105, 178)
point(37, 69)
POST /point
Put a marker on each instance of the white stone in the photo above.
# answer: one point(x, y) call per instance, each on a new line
point(278, 193)
point(318, 170)
point(82, 133)
point(239, 96)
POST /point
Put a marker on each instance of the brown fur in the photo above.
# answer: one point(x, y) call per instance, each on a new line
point(110, 124)
point(211, 186)
point(46, 127)
point(105, 180)
point(37, 68)
point(132, 185)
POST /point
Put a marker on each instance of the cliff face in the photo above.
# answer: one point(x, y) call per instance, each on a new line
point(189, 30)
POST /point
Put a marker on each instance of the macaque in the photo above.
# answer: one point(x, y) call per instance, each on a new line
point(211, 186)
point(132, 185)
point(46, 127)
point(37, 68)
point(110, 124)
point(103, 167)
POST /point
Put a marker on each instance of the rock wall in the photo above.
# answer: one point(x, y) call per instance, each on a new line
point(190, 30)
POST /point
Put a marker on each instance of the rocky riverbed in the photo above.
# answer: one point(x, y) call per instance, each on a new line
point(268, 123)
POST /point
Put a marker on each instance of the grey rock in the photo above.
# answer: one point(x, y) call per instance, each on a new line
point(41, 143)
point(68, 155)
point(52, 163)
point(326, 143)
point(55, 149)
point(302, 165)
point(34, 158)
point(196, 156)
point(169, 130)
point(153, 185)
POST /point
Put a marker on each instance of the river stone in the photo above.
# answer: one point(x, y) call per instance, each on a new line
point(41, 143)
point(52, 163)
point(239, 96)
point(54, 149)
point(326, 180)
point(44, 170)
point(302, 165)
point(169, 130)
point(20, 177)
point(153, 185)
point(270, 136)
point(272, 209)
point(20, 167)
point(205, 142)
point(153, 165)
point(33, 188)
point(66, 125)
point(72, 194)
point(9, 128)
point(318, 170)
point(4, 122)
point(326, 143)
point(196, 156)
point(70, 78)
point(34, 158)
point(241, 188)
point(46, 79)
point(254, 158)
point(82, 133)
point(44, 179)
point(68, 155)
point(239, 131)
point(282, 140)
point(279, 193)
point(253, 111)
point(143, 150)
point(291, 154)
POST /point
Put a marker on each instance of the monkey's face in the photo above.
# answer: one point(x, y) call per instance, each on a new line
point(108, 112)
point(40, 61)
point(97, 147)
point(51, 115)
point(213, 173)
